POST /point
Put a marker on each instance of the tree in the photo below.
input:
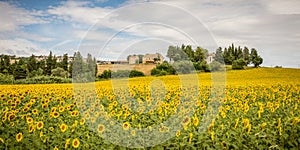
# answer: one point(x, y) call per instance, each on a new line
point(256, 60)
point(246, 55)
point(20, 70)
point(4, 64)
point(239, 53)
point(176, 54)
point(49, 64)
point(42, 65)
point(215, 66)
point(59, 72)
point(64, 63)
point(78, 67)
point(219, 55)
point(238, 64)
point(189, 52)
point(171, 53)
point(200, 54)
point(32, 64)
point(183, 67)
point(106, 74)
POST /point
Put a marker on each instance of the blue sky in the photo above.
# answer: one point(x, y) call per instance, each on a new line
point(112, 29)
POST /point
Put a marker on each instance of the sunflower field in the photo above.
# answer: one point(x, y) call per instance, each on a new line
point(258, 109)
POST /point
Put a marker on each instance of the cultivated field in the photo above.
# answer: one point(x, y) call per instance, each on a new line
point(259, 110)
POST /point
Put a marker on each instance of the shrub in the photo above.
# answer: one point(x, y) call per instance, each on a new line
point(163, 69)
point(43, 80)
point(215, 66)
point(238, 64)
point(6, 79)
point(59, 72)
point(155, 72)
point(135, 73)
point(201, 66)
point(106, 74)
point(183, 67)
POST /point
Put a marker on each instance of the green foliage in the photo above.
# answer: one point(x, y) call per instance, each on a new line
point(201, 66)
point(50, 64)
point(219, 55)
point(59, 72)
point(106, 74)
point(256, 60)
point(83, 71)
point(20, 70)
point(215, 66)
point(183, 67)
point(232, 53)
point(64, 63)
point(239, 64)
point(176, 54)
point(163, 69)
point(43, 80)
point(200, 54)
point(136, 73)
point(34, 73)
point(6, 79)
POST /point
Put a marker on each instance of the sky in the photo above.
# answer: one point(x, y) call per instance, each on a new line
point(113, 29)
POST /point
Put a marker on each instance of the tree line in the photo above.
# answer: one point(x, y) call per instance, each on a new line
point(238, 57)
point(184, 59)
point(30, 67)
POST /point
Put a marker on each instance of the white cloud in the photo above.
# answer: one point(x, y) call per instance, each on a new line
point(283, 6)
point(20, 47)
point(78, 11)
point(12, 17)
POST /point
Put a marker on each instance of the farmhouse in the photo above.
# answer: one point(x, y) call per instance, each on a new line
point(210, 58)
point(153, 58)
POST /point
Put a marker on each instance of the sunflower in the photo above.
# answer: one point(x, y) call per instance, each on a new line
point(82, 121)
point(35, 111)
point(44, 106)
point(101, 128)
point(61, 109)
point(19, 137)
point(31, 128)
point(51, 129)
point(11, 117)
point(126, 126)
point(67, 143)
point(133, 133)
point(75, 143)
point(40, 125)
point(186, 121)
point(55, 148)
point(1, 140)
point(190, 137)
point(29, 120)
point(41, 134)
point(178, 133)
point(263, 125)
point(25, 109)
point(63, 127)
point(55, 114)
